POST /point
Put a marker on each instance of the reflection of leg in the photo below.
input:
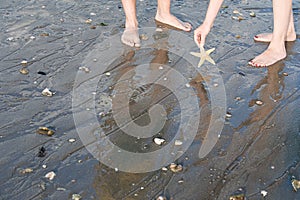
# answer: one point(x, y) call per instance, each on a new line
point(130, 36)
point(290, 35)
point(164, 15)
point(276, 50)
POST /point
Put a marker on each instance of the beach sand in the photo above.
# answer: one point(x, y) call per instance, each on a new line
point(259, 146)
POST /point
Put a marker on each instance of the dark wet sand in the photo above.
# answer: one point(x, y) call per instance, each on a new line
point(259, 145)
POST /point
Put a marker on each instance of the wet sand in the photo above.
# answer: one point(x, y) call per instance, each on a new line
point(259, 145)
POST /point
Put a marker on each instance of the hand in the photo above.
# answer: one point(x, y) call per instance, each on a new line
point(200, 34)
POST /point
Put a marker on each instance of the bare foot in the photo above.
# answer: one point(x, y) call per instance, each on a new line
point(173, 21)
point(131, 37)
point(268, 57)
point(267, 37)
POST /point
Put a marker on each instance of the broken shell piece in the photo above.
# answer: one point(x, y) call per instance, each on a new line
point(252, 14)
point(240, 18)
point(50, 175)
point(76, 196)
point(235, 12)
point(85, 69)
point(238, 36)
point(144, 37)
point(176, 168)
point(47, 92)
point(178, 142)
point(107, 73)
point(296, 184)
point(238, 98)
point(45, 131)
point(88, 21)
point(24, 62)
point(228, 115)
point(258, 102)
point(187, 85)
point(27, 170)
point(24, 71)
point(159, 141)
point(164, 169)
point(72, 140)
point(285, 74)
point(263, 193)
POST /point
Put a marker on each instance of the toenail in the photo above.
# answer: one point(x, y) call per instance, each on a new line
point(256, 36)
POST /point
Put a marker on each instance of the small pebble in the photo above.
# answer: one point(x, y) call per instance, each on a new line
point(47, 92)
point(285, 74)
point(60, 189)
point(187, 85)
point(50, 175)
point(159, 141)
point(236, 12)
point(238, 98)
point(10, 39)
point(44, 166)
point(42, 152)
point(107, 73)
point(161, 198)
point(164, 169)
point(32, 37)
point(160, 67)
point(144, 37)
point(93, 14)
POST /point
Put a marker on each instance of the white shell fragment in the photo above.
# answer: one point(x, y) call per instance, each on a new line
point(159, 141)
point(88, 21)
point(107, 73)
point(72, 140)
point(258, 102)
point(47, 92)
point(296, 184)
point(85, 69)
point(27, 170)
point(50, 175)
point(76, 197)
point(178, 142)
point(264, 193)
point(176, 168)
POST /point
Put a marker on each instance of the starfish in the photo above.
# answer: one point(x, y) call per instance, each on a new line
point(204, 55)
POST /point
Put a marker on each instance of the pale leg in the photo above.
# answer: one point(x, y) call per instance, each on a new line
point(290, 36)
point(130, 36)
point(276, 50)
point(164, 15)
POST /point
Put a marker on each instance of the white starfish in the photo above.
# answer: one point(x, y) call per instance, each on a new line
point(204, 55)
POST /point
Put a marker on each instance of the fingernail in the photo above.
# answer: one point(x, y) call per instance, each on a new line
point(256, 36)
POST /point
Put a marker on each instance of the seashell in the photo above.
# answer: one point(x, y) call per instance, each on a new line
point(161, 198)
point(71, 140)
point(45, 131)
point(235, 12)
point(285, 74)
point(178, 142)
point(24, 71)
point(76, 197)
point(50, 175)
point(27, 170)
point(144, 37)
point(258, 102)
point(176, 168)
point(47, 92)
point(264, 193)
point(252, 14)
point(159, 141)
point(237, 197)
point(24, 62)
point(295, 184)
point(85, 69)
point(44, 34)
point(88, 21)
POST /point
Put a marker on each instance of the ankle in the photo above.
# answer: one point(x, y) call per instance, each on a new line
point(131, 24)
point(162, 14)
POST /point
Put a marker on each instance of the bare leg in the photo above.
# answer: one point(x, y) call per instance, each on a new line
point(276, 50)
point(290, 36)
point(164, 15)
point(130, 36)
